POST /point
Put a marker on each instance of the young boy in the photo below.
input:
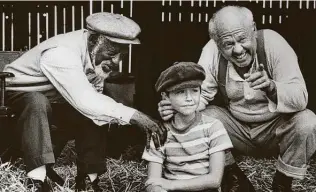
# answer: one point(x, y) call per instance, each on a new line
point(193, 157)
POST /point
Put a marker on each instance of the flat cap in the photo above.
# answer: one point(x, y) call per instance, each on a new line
point(180, 75)
point(115, 27)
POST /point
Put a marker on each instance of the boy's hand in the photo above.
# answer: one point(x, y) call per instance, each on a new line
point(165, 109)
point(164, 183)
point(154, 188)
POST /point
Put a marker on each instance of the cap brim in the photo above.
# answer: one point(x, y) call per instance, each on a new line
point(123, 41)
point(185, 84)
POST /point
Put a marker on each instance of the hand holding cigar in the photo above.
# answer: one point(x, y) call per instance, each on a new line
point(259, 79)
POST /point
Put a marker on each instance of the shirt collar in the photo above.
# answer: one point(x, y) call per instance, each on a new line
point(232, 73)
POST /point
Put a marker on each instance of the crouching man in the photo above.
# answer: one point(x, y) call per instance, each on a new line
point(72, 67)
point(256, 73)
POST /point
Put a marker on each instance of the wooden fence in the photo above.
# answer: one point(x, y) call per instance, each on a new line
point(172, 30)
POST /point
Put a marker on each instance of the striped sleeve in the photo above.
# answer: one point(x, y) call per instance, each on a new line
point(154, 155)
point(218, 138)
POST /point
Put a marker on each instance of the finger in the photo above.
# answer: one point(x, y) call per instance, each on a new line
point(164, 102)
point(166, 118)
point(254, 76)
point(246, 75)
point(156, 140)
point(167, 112)
point(258, 81)
point(162, 134)
point(165, 108)
point(261, 67)
point(148, 137)
point(261, 86)
point(165, 134)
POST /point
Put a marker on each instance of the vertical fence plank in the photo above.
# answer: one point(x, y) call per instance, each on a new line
point(1, 26)
point(91, 6)
point(50, 19)
point(73, 18)
point(81, 17)
point(12, 31)
point(29, 29)
point(55, 20)
point(38, 25)
point(3, 29)
point(8, 26)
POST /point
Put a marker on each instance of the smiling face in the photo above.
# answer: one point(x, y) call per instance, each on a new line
point(106, 55)
point(238, 46)
point(185, 101)
point(236, 35)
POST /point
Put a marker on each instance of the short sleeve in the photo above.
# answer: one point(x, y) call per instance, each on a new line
point(218, 137)
point(154, 155)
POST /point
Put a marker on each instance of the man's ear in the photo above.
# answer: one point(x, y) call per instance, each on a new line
point(164, 96)
point(254, 26)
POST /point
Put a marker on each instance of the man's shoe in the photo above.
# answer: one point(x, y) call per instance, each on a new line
point(281, 183)
point(234, 180)
point(37, 185)
point(83, 183)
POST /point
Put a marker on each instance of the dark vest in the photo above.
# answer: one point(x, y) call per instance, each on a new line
point(221, 97)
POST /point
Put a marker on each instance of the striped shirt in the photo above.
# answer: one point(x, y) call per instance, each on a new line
point(186, 156)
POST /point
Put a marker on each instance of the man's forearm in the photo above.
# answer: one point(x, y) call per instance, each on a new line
point(141, 120)
point(203, 182)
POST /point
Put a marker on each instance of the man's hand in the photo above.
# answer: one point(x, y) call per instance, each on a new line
point(260, 80)
point(165, 110)
point(152, 129)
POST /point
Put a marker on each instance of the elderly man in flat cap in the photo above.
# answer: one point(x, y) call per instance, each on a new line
point(73, 67)
point(257, 74)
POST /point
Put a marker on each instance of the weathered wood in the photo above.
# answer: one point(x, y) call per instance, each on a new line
point(7, 57)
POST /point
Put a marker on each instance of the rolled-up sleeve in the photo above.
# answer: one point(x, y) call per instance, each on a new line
point(291, 89)
point(209, 61)
point(63, 67)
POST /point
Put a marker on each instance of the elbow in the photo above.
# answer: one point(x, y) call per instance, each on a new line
point(302, 102)
point(217, 183)
point(305, 94)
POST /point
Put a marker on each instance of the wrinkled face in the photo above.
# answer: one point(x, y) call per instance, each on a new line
point(185, 101)
point(238, 44)
point(106, 56)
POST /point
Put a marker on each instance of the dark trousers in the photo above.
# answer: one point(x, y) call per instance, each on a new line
point(291, 135)
point(32, 125)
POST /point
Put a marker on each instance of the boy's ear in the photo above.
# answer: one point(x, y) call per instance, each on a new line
point(164, 96)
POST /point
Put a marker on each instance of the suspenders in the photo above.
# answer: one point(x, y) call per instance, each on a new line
point(222, 98)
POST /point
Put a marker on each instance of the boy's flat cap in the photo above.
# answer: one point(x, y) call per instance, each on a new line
point(180, 75)
point(115, 27)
